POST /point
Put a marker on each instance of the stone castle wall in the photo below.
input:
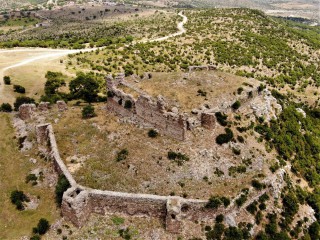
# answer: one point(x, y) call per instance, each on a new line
point(144, 110)
point(79, 202)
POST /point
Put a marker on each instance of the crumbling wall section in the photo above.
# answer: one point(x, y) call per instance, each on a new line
point(169, 123)
point(48, 145)
point(144, 110)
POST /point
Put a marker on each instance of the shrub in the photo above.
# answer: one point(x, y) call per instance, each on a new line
point(261, 87)
point(221, 118)
point(219, 218)
point(257, 185)
point(236, 151)
point(152, 133)
point(31, 178)
point(216, 201)
point(6, 80)
point(201, 93)
point(237, 169)
point(226, 201)
point(252, 207)
point(88, 112)
point(264, 197)
point(122, 155)
point(35, 237)
point(128, 104)
point(17, 198)
point(241, 200)
point(180, 158)
point(62, 185)
point(236, 105)
point(258, 217)
point(240, 139)
point(19, 89)
point(42, 227)
point(5, 107)
point(225, 138)
point(240, 90)
point(22, 100)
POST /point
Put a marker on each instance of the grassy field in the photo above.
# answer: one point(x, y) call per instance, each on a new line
point(31, 76)
point(14, 166)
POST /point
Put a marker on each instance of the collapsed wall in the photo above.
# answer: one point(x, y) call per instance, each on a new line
point(145, 110)
point(79, 202)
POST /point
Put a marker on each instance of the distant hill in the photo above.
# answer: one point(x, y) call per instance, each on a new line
point(13, 4)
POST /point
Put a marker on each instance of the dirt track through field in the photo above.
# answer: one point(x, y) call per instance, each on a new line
point(45, 54)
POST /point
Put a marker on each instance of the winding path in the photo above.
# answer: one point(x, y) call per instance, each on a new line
point(50, 54)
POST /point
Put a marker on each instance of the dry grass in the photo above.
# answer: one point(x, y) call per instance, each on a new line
point(14, 166)
point(147, 168)
point(182, 89)
point(31, 76)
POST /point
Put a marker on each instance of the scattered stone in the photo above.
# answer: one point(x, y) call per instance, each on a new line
point(62, 106)
point(26, 111)
point(33, 160)
point(299, 110)
point(43, 106)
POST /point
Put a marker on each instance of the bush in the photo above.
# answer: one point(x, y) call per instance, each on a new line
point(6, 80)
point(180, 158)
point(201, 93)
point(240, 139)
point(122, 155)
point(35, 237)
point(19, 89)
point(257, 185)
point(152, 133)
point(42, 227)
point(241, 200)
point(84, 86)
point(22, 100)
point(219, 218)
point(88, 112)
point(240, 90)
point(31, 178)
point(252, 207)
point(236, 105)
point(17, 198)
point(128, 104)
point(62, 186)
point(5, 107)
point(216, 201)
point(225, 138)
point(221, 118)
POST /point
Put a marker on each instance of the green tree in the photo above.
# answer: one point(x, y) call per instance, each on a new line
point(7, 80)
point(5, 107)
point(22, 100)
point(88, 112)
point(62, 186)
point(84, 86)
point(43, 226)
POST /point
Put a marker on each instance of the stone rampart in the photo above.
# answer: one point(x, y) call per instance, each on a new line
point(48, 147)
point(144, 110)
point(169, 123)
point(79, 202)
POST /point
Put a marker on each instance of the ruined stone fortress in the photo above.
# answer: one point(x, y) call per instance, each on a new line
point(79, 201)
point(153, 113)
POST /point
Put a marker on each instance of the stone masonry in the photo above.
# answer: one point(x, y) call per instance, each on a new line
point(145, 110)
